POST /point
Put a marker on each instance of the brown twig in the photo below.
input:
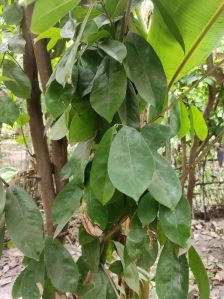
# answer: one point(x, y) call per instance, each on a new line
point(114, 230)
point(4, 182)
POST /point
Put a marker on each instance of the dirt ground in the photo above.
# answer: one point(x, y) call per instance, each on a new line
point(208, 238)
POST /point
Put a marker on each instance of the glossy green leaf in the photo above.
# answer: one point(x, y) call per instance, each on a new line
point(200, 273)
point(91, 255)
point(169, 191)
point(130, 164)
point(109, 88)
point(58, 98)
point(129, 111)
point(145, 70)
point(199, 123)
point(9, 111)
point(79, 159)
point(99, 179)
point(94, 209)
point(58, 260)
point(184, 120)
point(24, 222)
point(19, 83)
point(47, 14)
point(170, 22)
point(147, 209)
point(13, 14)
point(115, 49)
point(83, 125)
point(172, 275)
point(156, 135)
point(66, 203)
point(176, 224)
point(201, 27)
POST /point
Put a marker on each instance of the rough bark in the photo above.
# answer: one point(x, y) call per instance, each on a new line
point(36, 124)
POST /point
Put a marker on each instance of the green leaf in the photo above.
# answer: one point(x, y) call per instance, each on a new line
point(130, 164)
point(147, 74)
point(59, 261)
point(16, 290)
point(94, 209)
point(99, 292)
point(79, 159)
point(175, 122)
point(49, 290)
point(2, 199)
point(170, 22)
point(156, 135)
point(13, 14)
point(19, 83)
point(172, 275)
point(17, 44)
point(9, 111)
point(83, 125)
point(129, 111)
point(24, 222)
point(58, 98)
point(99, 179)
point(109, 88)
point(66, 203)
point(169, 191)
point(117, 268)
point(79, 13)
point(199, 123)
point(115, 49)
point(184, 120)
point(201, 27)
point(59, 128)
point(115, 8)
point(47, 14)
point(147, 209)
point(176, 224)
point(200, 273)
point(91, 255)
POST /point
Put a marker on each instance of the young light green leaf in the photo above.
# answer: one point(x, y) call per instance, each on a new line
point(130, 164)
point(115, 49)
point(65, 205)
point(147, 209)
point(13, 14)
point(9, 111)
point(184, 120)
point(200, 273)
point(169, 191)
point(170, 22)
point(47, 14)
point(59, 128)
point(58, 260)
point(176, 224)
point(19, 84)
point(109, 88)
point(24, 222)
point(99, 179)
point(156, 135)
point(172, 275)
point(199, 123)
point(144, 68)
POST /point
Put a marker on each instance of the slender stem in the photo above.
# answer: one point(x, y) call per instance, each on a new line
point(108, 16)
point(26, 145)
point(183, 95)
point(4, 182)
point(125, 23)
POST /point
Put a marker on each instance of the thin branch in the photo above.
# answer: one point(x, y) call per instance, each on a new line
point(26, 145)
point(183, 95)
point(4, 182)
point(114, 230)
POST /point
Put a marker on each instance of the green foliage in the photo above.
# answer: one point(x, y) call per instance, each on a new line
point(107, 87)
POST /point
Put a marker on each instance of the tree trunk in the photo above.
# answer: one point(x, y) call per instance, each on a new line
point(36, 124)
